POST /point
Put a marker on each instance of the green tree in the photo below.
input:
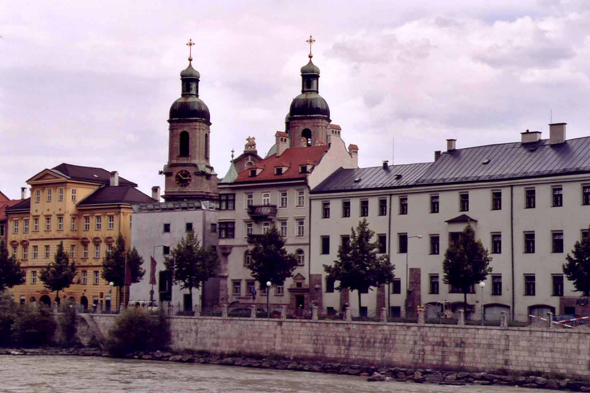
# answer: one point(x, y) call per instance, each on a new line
point(59, 274)
point(577, 267)
point(466, 263)
point(358, 267)
point(11, 273)
point(192, 264)
point(113, 265)
point(270, 261)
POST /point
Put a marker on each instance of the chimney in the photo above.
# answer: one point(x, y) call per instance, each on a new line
point(23, 193)
point(557, 133)
point(530, 136)
point(156, 193)
point(353, 150)
point(114, 179)
point(281, 142)
point(451, 143)
point(437, 154)
point(386, 165)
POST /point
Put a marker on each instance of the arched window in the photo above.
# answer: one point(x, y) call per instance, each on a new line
point(247, 258)
point(300, 257)
point(307, 135)
point(206, 145)
point(184, 144)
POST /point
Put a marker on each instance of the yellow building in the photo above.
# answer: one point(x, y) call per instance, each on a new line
point(85, 208)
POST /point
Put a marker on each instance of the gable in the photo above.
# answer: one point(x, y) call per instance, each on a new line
point(46, 176)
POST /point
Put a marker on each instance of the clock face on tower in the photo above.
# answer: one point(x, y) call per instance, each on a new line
point(183, 178)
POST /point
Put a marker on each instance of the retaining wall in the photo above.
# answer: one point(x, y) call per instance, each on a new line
point(443, 347)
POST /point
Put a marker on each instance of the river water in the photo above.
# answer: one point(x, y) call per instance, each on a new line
point(33, 374)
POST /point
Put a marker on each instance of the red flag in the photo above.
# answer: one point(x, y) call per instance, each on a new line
point(153, 271)
point(127, 274)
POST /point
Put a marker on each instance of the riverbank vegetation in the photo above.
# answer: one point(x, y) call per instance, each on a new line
point(138, 330)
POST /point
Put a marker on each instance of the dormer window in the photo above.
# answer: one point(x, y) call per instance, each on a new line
point(279, 171)
point(303, 169)
point(252, 172)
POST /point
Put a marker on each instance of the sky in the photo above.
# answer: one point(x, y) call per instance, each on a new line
point(91, 83)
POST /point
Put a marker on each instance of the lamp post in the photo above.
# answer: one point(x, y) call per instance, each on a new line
point(407, 267)
point(482, 285)
point(111, 292)
point(268, 284)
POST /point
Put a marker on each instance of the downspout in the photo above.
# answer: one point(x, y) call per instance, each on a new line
point(309, 257)
point(205, 244)
point(512, 246)
point(389, 253)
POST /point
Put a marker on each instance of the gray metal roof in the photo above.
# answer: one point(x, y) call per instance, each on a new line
point(372, 178)
point(474, 164)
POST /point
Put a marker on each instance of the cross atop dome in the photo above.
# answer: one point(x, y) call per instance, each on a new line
point(190, 44)
point(310, 41)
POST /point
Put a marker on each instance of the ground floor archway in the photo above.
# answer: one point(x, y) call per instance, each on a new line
point(45, 300)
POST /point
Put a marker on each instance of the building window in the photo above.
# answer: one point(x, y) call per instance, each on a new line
point(497, 285)
point(585, 234)
point(434, 284)
point(33, 277)
point(247, 258)
point(454, 237)
point(60, 223)
point(84, 277)
point(396, 286)
point(496, 200)
point(325, 209)
point(266, 198)
point(300, 228)
point(237, 287)
point(529, 285)
point(345, 208)
point(434, 204)
point(85, 251)
point(36, 224)
point(557, 196)
point(35, 252)
point(265, 227)
point(166, 228)
point(252, 172)
point(529, 242)
point(586, 195)
point(72, 251)
point(249, 228)
point(73, 224)
point(557, 284)
point(226, 230)
point(48, 195)
point(73, 195)
point(109, 249)
point(364, 208)
point(60, 194)
point(48, 224)
point(530, 198)
point(25, 252)
point(165, 250)
point(284, 228)
point(382, 244)
point(96, 277)
point(97, 251)
point(47, 252)
point(37, 196)
point(25, 226)
point(86, 223)
point(403, 205)
point(329, 284)
point(496, 243)
point(284, 199)
point(382, 207)
point(111, 222)
point(300, 257)
point(345, 241)
point(300, 198)
point(227, 201)
point(251, 286)
point(15, 227)
point(325, 245)
point(464, 202)
point(402, 243)
point(279, 290)
point(557, 246)
point(188, 227)
point(98, 223)
point(249, 200)
point(278, 171)
point(434, 245)
point(15, 251)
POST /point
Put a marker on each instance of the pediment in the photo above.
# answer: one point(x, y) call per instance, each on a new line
point(298, 277)
point(46, 176)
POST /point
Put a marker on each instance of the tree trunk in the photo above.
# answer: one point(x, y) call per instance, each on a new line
point(56, 299)
point(359, 302)
point(465, 304)
point(190, 302)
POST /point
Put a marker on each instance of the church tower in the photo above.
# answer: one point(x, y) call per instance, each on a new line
point(189, 176)
point(309, 116)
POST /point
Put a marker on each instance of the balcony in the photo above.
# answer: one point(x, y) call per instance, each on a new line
point(262, 212)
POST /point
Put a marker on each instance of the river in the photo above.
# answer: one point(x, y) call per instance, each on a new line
point(45, 374)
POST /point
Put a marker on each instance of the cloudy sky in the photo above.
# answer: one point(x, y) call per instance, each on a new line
point(91, 83)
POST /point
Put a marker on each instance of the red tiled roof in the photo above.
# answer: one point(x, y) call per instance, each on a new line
point(6, 204)
point(353, 147)
point(282, 133)
point(292, 158)
point(335, 127)
point(3, 198)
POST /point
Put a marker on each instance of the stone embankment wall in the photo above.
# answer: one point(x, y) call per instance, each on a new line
point(442, 347)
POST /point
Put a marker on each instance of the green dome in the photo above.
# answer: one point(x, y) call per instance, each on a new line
point(310, 68)
point(190, 72)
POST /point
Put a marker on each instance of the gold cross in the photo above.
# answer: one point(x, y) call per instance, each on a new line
point(310, 42)
point(190, 44)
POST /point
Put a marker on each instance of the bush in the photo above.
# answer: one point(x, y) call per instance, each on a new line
point(7, 317)
point(138, 330)
point(68, 324)
point(34, 326)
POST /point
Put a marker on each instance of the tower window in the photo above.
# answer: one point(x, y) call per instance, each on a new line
point(308, 83)
point(206, 145)
point(184, 144)
point(307, 135)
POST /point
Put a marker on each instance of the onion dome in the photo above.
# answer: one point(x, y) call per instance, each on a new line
point(309, 103)
point(189, 106)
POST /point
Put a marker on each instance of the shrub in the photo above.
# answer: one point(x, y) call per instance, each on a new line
point(7, 317)
point(34, 326)
point(138, 330)
point(67, 322)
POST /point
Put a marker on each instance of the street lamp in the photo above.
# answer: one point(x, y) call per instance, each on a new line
point(407, 266)
point(111, 292)
point(268, 284)
point(482, 285)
